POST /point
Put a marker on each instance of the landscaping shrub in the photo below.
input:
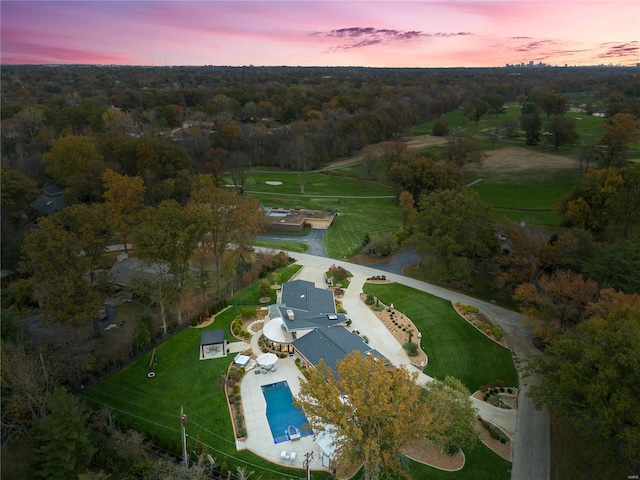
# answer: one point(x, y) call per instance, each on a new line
point(264, 290)
point(248, 313)
point(452, 448)
point(411, 348)
point(338, 273)
point(497, 332)
point(370, 300)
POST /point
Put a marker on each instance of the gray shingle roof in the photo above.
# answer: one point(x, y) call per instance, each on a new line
point(330, 344)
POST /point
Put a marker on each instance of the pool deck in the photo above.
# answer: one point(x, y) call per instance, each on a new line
point(259, 439)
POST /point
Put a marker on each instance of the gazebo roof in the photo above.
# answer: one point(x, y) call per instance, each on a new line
point(211, 337)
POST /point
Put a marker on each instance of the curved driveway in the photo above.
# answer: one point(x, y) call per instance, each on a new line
point(531, 454)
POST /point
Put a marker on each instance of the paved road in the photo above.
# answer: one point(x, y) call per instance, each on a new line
point(313, 240)
point(531, 457)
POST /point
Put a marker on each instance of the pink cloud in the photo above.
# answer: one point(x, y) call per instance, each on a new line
point(375, 33)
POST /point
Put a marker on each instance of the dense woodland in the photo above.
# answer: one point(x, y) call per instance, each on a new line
point(141, 154)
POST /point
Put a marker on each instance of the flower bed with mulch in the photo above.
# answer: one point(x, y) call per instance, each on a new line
point(402, 328)
point(502, 449)
point(481, 322)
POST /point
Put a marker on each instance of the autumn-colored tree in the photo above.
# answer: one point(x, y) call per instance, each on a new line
point(169, 236)
point(463, 149)
point(454, 229)
point(407, 203)
point(52, 258)
point(619, 131)
point(264, 289)
point(529, 250)
point(124, 197)
point(118, 121)
point(557, 302)
point(591, 374)
point(92, 227)
point(371, 410)
point(75, 161)
point(421, 175)
point(605, 199)
point(560, 131)
point(440, 128)
point(451, 407)
point(227, 219)
point(393, 152)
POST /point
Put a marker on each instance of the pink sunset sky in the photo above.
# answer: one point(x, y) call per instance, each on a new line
point(446, 33)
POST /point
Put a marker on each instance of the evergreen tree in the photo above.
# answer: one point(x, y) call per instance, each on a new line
point(61, 442)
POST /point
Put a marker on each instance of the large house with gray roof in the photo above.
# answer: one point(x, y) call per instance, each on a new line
point(304, 323)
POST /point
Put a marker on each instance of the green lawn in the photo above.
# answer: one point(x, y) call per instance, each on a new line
point(525, 195)
point(358, 213)
point(454, 347)
point(481, 463)
point(152, 405)
point(282, 245)
point(531, 202)
point(357, 219)
point(317, 185)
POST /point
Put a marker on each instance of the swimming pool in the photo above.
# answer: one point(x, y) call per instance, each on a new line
point(281, 412)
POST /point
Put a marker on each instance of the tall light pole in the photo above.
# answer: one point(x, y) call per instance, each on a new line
point(306, 462)
point(183, 423)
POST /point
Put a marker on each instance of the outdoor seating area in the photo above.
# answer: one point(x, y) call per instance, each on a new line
point(286, 456)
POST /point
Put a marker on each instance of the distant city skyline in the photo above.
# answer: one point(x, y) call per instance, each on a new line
point(414, 33)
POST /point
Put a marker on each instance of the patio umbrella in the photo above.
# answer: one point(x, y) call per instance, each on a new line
point(266, 360)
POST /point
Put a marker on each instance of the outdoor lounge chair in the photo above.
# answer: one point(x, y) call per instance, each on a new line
point(284, 455)
point(292, 457)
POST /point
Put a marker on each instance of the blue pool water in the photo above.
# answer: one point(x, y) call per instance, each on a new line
point(281, 412)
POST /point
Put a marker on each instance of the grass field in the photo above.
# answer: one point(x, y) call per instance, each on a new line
point(533, 203)
point(317, 185)
point(454, 347)
point(361, 211)
point(152, 405)
point(282, 245)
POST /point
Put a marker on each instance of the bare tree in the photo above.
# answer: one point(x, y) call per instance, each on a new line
point(238, 163)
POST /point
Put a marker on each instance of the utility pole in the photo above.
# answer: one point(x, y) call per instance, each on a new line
point(183, 423)
point(306, 462)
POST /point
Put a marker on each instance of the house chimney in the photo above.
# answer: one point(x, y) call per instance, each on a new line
point(290, 315)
